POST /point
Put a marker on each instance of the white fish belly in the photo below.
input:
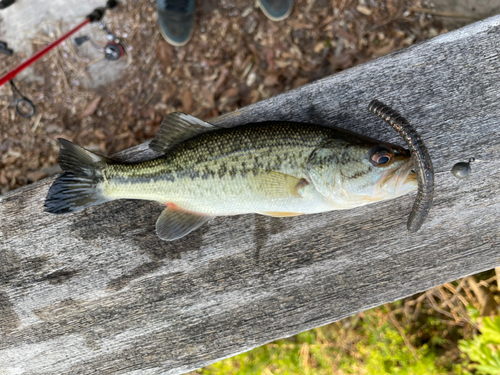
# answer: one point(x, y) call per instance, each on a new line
point(243, 196)
point(213, 197)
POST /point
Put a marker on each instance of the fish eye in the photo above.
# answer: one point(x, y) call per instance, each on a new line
point(383, 159)
point(381, 156)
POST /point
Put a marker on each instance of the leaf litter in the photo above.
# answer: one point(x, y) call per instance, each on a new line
point(236, 57)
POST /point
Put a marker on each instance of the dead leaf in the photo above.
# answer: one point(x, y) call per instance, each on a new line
point(256, 54)
point(319, 47)
point(187, 101)
point(394, 6)
point(327, 21)
point(364, 10)
point(3, 179)
point(222, 77)
point(248, 67)
point(53, 128)
point(300, 25)
point(13, 178)
point(164, 53)
point(91, 108)
point(160, 107)
point(254, 96)
point(350, 38)
point(250, 25)
point(36, 176)
point(233, 91)
point(384, 50)
point(208, 97)
point(251, 79)
point(211, 63)
point(342, 62)
point(282, 64)
point(270, 58)
point(213, 113)
point(168, 94)
point(271, 80)
point(301, 81)
point(229, 96)
point(99, 134)
point(130, 111)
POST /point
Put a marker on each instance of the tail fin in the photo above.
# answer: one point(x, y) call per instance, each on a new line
point(77, 188)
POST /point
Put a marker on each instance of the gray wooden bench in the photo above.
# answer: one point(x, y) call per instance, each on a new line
point(98, 292)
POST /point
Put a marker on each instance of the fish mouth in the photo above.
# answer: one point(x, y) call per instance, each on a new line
point(411, 178)
point(400, 180)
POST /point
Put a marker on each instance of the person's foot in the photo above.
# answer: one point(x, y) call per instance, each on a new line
point(276, 10)
point(176, 20)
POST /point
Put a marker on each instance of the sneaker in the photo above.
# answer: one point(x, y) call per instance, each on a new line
point(276, 10)
point(176, 20)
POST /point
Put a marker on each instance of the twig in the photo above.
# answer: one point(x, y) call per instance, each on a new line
point(388, 20)
point(304, 355)
point(310, 5)
point(441, 14)
point(497, 271)
point(456, 292)
point(488, 303)
point(446, 301)
point(403, 335)
point(321, 340)
point(36, 122)
point(436, 307)
point(342, 6)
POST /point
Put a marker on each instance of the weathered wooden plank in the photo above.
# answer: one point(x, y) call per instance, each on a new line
point(98, 292)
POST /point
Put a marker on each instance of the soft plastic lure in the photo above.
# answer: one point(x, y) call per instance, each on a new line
point(421, 162)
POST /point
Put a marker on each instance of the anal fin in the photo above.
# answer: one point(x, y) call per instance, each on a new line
point(174, 223)
point(280, 214)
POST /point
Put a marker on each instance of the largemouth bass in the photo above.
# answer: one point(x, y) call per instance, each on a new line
point(270, 168)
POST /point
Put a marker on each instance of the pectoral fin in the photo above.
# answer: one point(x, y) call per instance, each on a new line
point(280, 185)
point(173, 223)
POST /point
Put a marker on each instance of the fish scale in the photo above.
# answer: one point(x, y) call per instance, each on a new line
point(221, 165)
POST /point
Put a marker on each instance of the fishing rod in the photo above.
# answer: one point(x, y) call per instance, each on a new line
point(96, 15)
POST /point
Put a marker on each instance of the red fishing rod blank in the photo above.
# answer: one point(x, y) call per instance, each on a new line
point(96, 15)
point(14, 72)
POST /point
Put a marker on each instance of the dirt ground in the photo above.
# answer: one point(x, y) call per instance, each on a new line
point(236, 57)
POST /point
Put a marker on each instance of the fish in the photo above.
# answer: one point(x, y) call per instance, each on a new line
point(273, 168)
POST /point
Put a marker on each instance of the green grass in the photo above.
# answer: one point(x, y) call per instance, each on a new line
point(484, 349)
point(373, 342)
point(437, 332)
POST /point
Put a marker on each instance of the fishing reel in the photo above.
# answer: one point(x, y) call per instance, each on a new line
point(115, 49)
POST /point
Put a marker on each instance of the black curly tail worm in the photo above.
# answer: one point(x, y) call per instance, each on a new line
point(421, 162)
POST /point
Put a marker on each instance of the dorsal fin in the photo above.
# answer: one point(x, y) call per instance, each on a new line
point(177, 127)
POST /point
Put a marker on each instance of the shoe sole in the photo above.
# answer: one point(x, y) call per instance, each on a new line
point(173, 42)
point(271, 17)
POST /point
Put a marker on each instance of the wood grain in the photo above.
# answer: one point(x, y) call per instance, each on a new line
point(98, 292)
